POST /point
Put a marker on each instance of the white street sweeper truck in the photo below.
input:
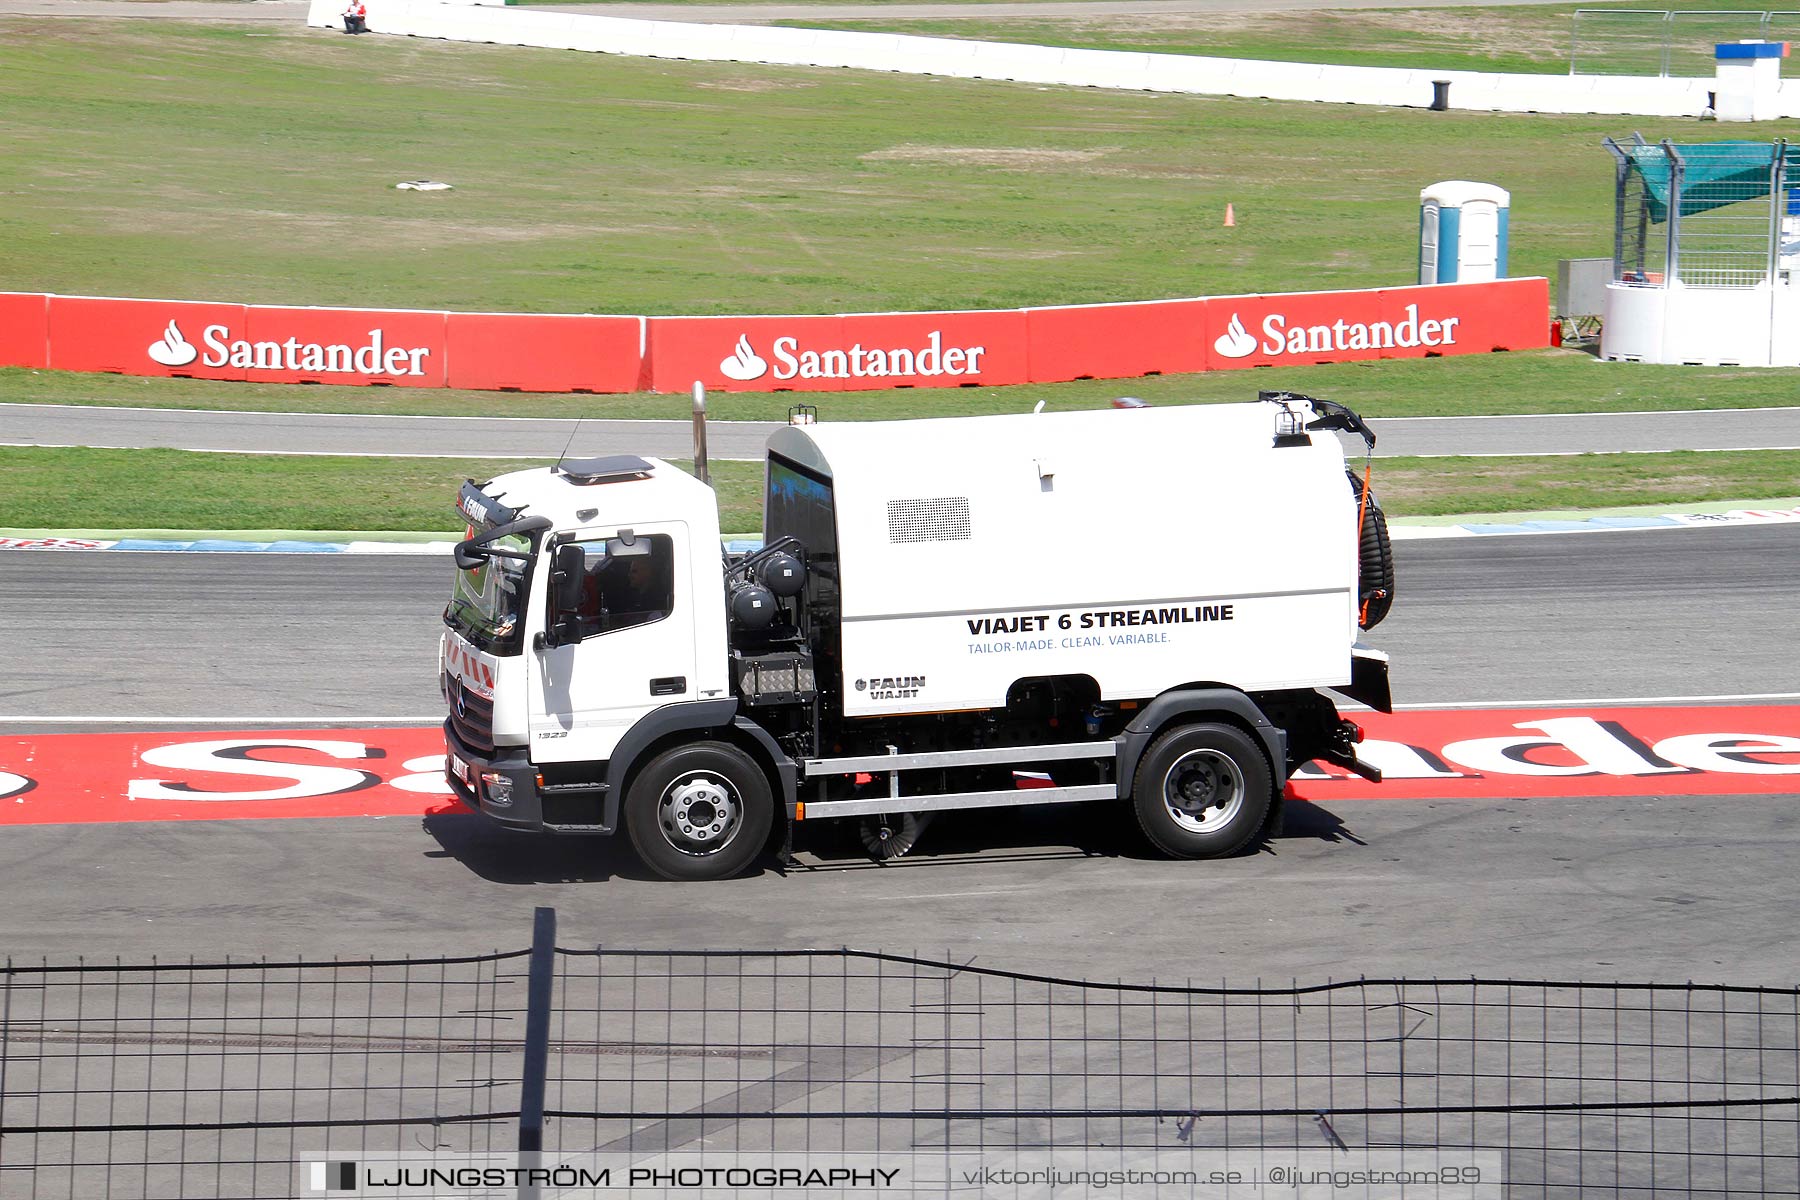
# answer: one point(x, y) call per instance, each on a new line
point(1134, 609)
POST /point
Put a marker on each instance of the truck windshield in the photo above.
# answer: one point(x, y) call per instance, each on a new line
point(487, 603)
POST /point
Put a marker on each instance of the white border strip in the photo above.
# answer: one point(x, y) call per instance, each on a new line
point(1002, 61)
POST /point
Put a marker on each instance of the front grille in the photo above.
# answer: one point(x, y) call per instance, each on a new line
point(471, 716)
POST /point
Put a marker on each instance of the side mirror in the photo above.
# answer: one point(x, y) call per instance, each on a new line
point(568, 572)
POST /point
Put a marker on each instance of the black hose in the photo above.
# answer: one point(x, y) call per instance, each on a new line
point(1375, 573)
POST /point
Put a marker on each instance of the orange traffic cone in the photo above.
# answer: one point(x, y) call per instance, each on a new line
point(1230, 218)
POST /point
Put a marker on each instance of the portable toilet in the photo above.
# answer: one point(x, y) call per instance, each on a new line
point(1462, 232)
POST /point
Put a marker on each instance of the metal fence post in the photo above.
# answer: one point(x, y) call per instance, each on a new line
point(1621, 174)
point(1677, 184)
point(1777, 209)
point(539, 994)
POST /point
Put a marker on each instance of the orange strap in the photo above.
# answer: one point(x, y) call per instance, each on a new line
point(1362, 514)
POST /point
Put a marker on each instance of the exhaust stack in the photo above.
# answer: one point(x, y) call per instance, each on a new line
point(700, 471)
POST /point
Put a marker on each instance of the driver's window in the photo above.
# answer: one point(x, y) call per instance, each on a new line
point(629, 589)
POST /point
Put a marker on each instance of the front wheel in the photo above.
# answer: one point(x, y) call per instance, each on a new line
point(1202, 791)
point(701, 811)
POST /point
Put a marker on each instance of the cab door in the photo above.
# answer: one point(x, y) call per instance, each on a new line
point(629, 650)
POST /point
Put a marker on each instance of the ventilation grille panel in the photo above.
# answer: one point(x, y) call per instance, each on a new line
point(940, 519)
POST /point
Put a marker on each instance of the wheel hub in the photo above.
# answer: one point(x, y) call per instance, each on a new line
point(1203, 791)
point(699, 813)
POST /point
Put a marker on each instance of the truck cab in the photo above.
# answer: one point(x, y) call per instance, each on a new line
point(543, 687)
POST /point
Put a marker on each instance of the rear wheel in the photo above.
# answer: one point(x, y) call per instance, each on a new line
point(1202, 791)
point(701, 811)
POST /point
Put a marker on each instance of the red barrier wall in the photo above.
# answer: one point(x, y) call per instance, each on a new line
point(344, 346)
point(853, 352)
point(24, 329)
point(848, 352)
point(141, 337)
point(685, 349)
point(1116, 341)
point(506, 351)
point(1322, 327)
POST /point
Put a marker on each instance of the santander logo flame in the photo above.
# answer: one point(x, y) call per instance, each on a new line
point(173, 350)
point(1236, 341)
point(744, 363)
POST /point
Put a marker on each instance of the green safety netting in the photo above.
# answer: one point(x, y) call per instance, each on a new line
point(1714, 174)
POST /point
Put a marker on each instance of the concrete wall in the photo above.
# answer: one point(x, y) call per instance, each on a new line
point(1734, 327)
point(1390, 87)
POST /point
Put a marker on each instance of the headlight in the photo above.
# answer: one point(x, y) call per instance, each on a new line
point(498, 788)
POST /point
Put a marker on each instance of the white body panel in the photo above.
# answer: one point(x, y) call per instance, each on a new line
point(1070, 519)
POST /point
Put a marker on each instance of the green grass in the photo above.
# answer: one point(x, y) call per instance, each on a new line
point(175, 489)
point(1432, 486)
point(80, 488)
point(219, 162)
point(1541, 381)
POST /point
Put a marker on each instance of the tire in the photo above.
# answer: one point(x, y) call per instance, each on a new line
point(701, 811)
point(1202, 791)
point(1375, 556)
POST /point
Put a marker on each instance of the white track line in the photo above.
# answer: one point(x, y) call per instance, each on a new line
point(1643, 412)
point(365, 453)
point(1504, 453)
point(258, 412)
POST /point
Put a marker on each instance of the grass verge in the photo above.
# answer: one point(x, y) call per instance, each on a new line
point(216, 162)
point(1547, 381)
point(175, 489)
point(81, 488)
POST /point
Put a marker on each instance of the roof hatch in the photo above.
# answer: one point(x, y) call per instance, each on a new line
point(615, 468)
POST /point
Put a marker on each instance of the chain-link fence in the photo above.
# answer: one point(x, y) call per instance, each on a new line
point(229, 1080)
point(1714, 215)
point(191, 1079)
point(1678, 44)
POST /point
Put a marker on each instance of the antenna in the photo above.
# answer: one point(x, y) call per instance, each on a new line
point(570, 442)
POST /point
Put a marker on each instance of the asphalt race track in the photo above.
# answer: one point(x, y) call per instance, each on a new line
point(525, 437)
point(1662, 887)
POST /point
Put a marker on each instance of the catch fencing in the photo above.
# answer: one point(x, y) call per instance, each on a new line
point(228, 1079)
point(1711, 215)
point(1667, 44)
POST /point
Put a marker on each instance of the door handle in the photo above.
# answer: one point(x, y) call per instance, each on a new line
point(673, 685)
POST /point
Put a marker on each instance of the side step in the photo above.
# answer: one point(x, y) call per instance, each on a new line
point(949, 800)
point(893, 762)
